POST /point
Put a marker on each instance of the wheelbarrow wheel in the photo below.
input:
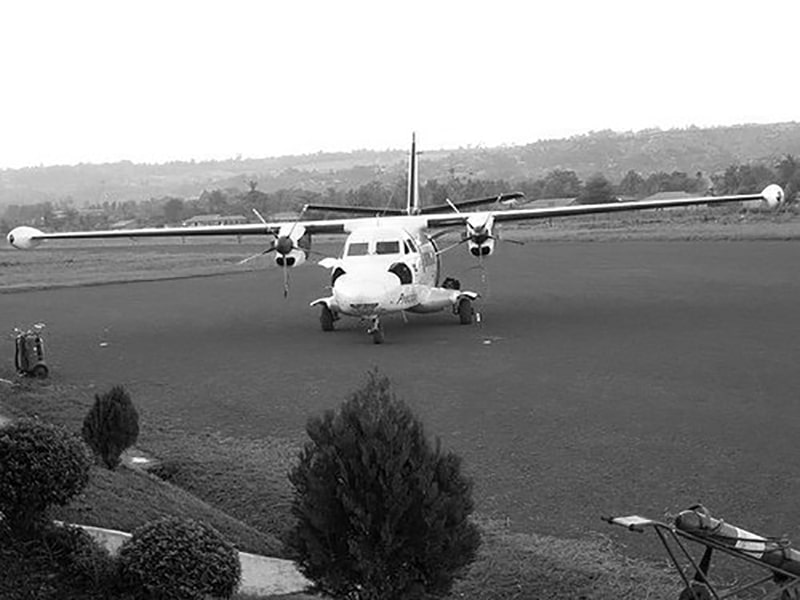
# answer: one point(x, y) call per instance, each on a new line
point(696, 591)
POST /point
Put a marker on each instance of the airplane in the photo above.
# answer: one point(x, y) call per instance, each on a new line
point(391, 261)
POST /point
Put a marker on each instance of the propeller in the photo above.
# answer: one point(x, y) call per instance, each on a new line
point(283, 244)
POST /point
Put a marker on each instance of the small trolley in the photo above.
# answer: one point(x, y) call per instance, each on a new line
point(696, 525)
point(29, 352)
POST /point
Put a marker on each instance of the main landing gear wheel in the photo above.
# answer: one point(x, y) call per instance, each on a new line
point(326, 318)
point(466, 314)
point(451, 283)
point(376, 331)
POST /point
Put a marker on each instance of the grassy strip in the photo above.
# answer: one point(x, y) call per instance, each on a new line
point(125, 499)
point(246, 478)
point(61, 264)
point(518, 565)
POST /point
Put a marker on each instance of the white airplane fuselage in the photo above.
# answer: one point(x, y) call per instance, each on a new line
point(386, 269)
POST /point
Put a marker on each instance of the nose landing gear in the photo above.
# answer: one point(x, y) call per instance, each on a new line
point(327, 318)
point(376, 331)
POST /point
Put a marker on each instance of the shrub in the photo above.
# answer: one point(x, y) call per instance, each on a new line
point(111, 426)
point(380, 512)
point(180, 559)
point(54, 562)
point(42, 465)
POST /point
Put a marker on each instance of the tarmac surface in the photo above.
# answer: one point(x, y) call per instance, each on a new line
point(604, 379)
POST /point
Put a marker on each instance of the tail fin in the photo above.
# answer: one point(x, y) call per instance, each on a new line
point(412, 202)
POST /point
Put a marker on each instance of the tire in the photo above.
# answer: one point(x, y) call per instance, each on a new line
point(450, 283)
point(40, 371)
point(377, 335)
point(466, 314)
point(326, 318)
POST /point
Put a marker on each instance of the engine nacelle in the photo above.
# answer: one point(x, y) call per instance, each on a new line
point(294, 258)
point(24, 238)
point(483, 249)
point(480, 240)
point(292, 245)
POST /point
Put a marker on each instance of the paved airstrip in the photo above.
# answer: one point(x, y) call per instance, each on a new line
point(605, 378)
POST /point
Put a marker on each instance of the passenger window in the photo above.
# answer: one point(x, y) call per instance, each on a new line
point(358, 249)
point(387, 248)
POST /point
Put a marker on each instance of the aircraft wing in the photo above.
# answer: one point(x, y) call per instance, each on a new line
point(772, 195)
point(27, 237)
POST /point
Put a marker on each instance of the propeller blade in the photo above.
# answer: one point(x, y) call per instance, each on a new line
point(285, 281)
point(249, 258)
point(299, 218)
point(260, 218)
point(451, 246)
point(484, 276)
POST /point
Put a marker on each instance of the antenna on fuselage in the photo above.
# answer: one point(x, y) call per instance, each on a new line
point(412, 202)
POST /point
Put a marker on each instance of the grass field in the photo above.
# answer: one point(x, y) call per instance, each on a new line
point(233, 485)
point(621, 376)
point(60, 263)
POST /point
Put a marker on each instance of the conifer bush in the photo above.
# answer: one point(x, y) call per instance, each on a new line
point(40, 465)
point(180, 559)
point(111, 426)
point(380, 511)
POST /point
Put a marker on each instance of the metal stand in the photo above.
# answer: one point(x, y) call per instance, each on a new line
point(698, 585)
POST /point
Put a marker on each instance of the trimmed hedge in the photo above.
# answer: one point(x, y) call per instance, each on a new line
point(54, 562)
point(179, 559)
point(42, 465)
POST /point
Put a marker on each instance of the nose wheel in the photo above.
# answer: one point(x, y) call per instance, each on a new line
point(465, 312)
point(376, 331)
point(326, 318)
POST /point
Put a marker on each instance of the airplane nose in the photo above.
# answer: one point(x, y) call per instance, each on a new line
point(364, 294)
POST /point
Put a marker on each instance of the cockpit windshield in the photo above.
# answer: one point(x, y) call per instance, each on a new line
point(358, 249)
point(392, 247)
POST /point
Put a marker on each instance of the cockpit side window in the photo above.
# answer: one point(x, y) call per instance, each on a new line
point(411, 245)
point(392, 247)
point(358, 249)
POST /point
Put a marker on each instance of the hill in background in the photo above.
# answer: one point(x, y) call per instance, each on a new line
point(690, 150)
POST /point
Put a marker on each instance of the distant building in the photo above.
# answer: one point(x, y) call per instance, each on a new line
point(674, 196)
point(289, 216)
point(124, 224)
point(549, 203)
point(209, 220)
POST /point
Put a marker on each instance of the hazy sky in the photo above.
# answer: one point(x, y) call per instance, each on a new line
point(170, 80)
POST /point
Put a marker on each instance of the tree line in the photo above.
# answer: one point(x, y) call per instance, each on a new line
point(558, 183)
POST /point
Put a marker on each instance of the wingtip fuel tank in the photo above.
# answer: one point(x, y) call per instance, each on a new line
point(24, 237)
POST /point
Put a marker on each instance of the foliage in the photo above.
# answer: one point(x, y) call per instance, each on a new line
point(173, 210)
point(43, 465)
point(53, 196)
point(598, 190)
point(743, 179)
point(55, 562)
point(111, 426)
point(174, 558)
point(632, 184)
point(380, 512)
point(788, 171)
point(561, 183)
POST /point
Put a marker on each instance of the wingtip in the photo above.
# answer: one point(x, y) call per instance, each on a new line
point(773, 195)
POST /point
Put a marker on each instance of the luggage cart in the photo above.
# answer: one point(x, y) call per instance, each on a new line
point(774, 557)
point(29, 352)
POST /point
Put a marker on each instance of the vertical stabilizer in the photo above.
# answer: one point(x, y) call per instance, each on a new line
point(412, 203)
